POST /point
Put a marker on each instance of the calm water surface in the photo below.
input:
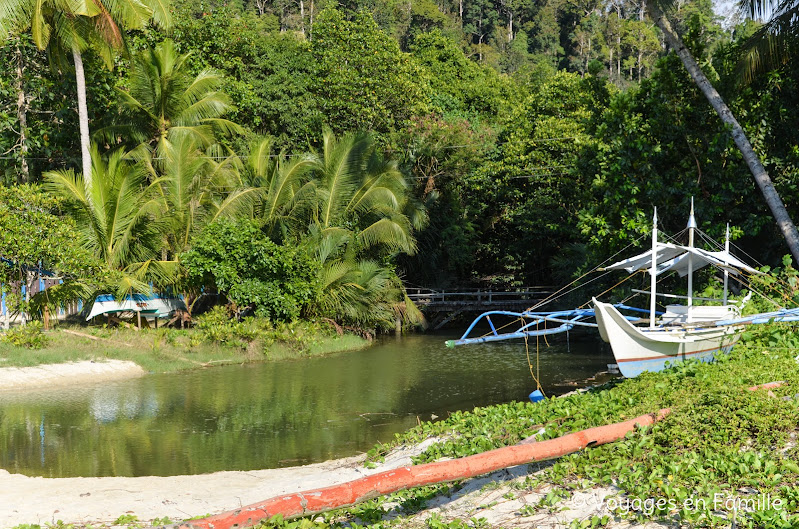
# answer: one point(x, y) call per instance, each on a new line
point(272, 414)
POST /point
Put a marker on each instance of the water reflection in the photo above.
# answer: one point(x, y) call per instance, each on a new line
point(268, 415)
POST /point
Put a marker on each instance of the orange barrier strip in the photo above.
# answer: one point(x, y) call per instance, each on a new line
point(346, 494)
point(768, 385)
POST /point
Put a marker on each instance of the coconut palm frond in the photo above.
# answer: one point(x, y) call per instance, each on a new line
point(773, 45)
point(392, 233)
point(116, 212)
point(337, 171)
point(202, 134)
point(164, 100)
point(410, 313)
point(67, 184)
point(205, 82)
point(259, 160)
point(330, 243)
point(161, 12)
point(129, 285)
point(416, 212)
point(159, 273)
point(284, 188)
point(239, 204)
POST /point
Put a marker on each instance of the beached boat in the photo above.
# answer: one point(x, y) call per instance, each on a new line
point(638, 349)
point(699, 329)
point(682, 331)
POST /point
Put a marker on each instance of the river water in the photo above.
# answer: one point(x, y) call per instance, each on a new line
point(273, 414)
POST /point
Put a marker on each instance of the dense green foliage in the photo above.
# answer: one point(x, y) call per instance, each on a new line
point(448, 143)
point(30, 336)
point(240, 262)
point(35, 240)
point(304, 159)
point(32, 234)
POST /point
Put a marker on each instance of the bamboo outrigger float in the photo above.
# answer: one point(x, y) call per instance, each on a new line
point(665, 337)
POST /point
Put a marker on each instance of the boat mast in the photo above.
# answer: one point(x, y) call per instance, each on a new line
point(653, 270)
point(691, 229)
point(726, 262)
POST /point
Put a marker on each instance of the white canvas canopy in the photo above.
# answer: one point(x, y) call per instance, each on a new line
point(675, 257)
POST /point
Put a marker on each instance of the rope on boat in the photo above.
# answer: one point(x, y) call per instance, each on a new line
point(574, 317)
point(559, 293)
point(627, 278)
point(536, 379)
point(563, 291)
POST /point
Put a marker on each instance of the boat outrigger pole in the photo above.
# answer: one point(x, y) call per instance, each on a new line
point(527, 325)
point(653, 272)
point(727, 263)
point(662, 257)
point(691, 229)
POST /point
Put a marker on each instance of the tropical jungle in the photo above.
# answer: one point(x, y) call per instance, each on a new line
point(312, 159)
point(307, 162)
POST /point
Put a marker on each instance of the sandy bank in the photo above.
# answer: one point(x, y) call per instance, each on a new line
point(500, 499)
point(67, 374)
point(34, 500)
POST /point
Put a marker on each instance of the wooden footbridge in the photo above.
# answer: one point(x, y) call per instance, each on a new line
point(442, 306)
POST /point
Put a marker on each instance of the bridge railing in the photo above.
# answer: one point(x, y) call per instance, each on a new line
point(424, 295)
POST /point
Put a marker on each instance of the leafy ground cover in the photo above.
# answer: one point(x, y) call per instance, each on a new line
point(724, 455)
point(216, 340)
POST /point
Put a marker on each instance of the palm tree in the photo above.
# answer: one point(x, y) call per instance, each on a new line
point(190, 184)
point(170, 119)
point(361, 213)
point(165, 102)
point(775, 42)
point(359, 291)
point(759, 173)
point(360, 192)
point(274, 189)
point(117, 217)
point(69, 26)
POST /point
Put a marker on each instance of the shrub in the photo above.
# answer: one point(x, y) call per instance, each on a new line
point(216, 325)
point(240, 262)
point(30, 336)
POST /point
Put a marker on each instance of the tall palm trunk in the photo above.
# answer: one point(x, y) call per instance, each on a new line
point(83, 115)
point(759, 173)
point(22, 117)
point(302, 17)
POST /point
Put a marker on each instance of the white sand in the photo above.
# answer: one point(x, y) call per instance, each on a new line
point(39, 500)
point(35, 500)
point(67, 374)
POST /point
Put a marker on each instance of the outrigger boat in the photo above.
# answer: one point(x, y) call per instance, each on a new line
point(667, 337)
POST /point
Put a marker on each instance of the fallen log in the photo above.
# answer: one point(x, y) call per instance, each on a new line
point(346, 494)
point(95, 338)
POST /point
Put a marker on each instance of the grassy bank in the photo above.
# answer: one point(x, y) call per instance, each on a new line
point(724, 456)
point(165, 350)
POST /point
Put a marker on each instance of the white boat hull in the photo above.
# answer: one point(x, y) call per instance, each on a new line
point(640, 349)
